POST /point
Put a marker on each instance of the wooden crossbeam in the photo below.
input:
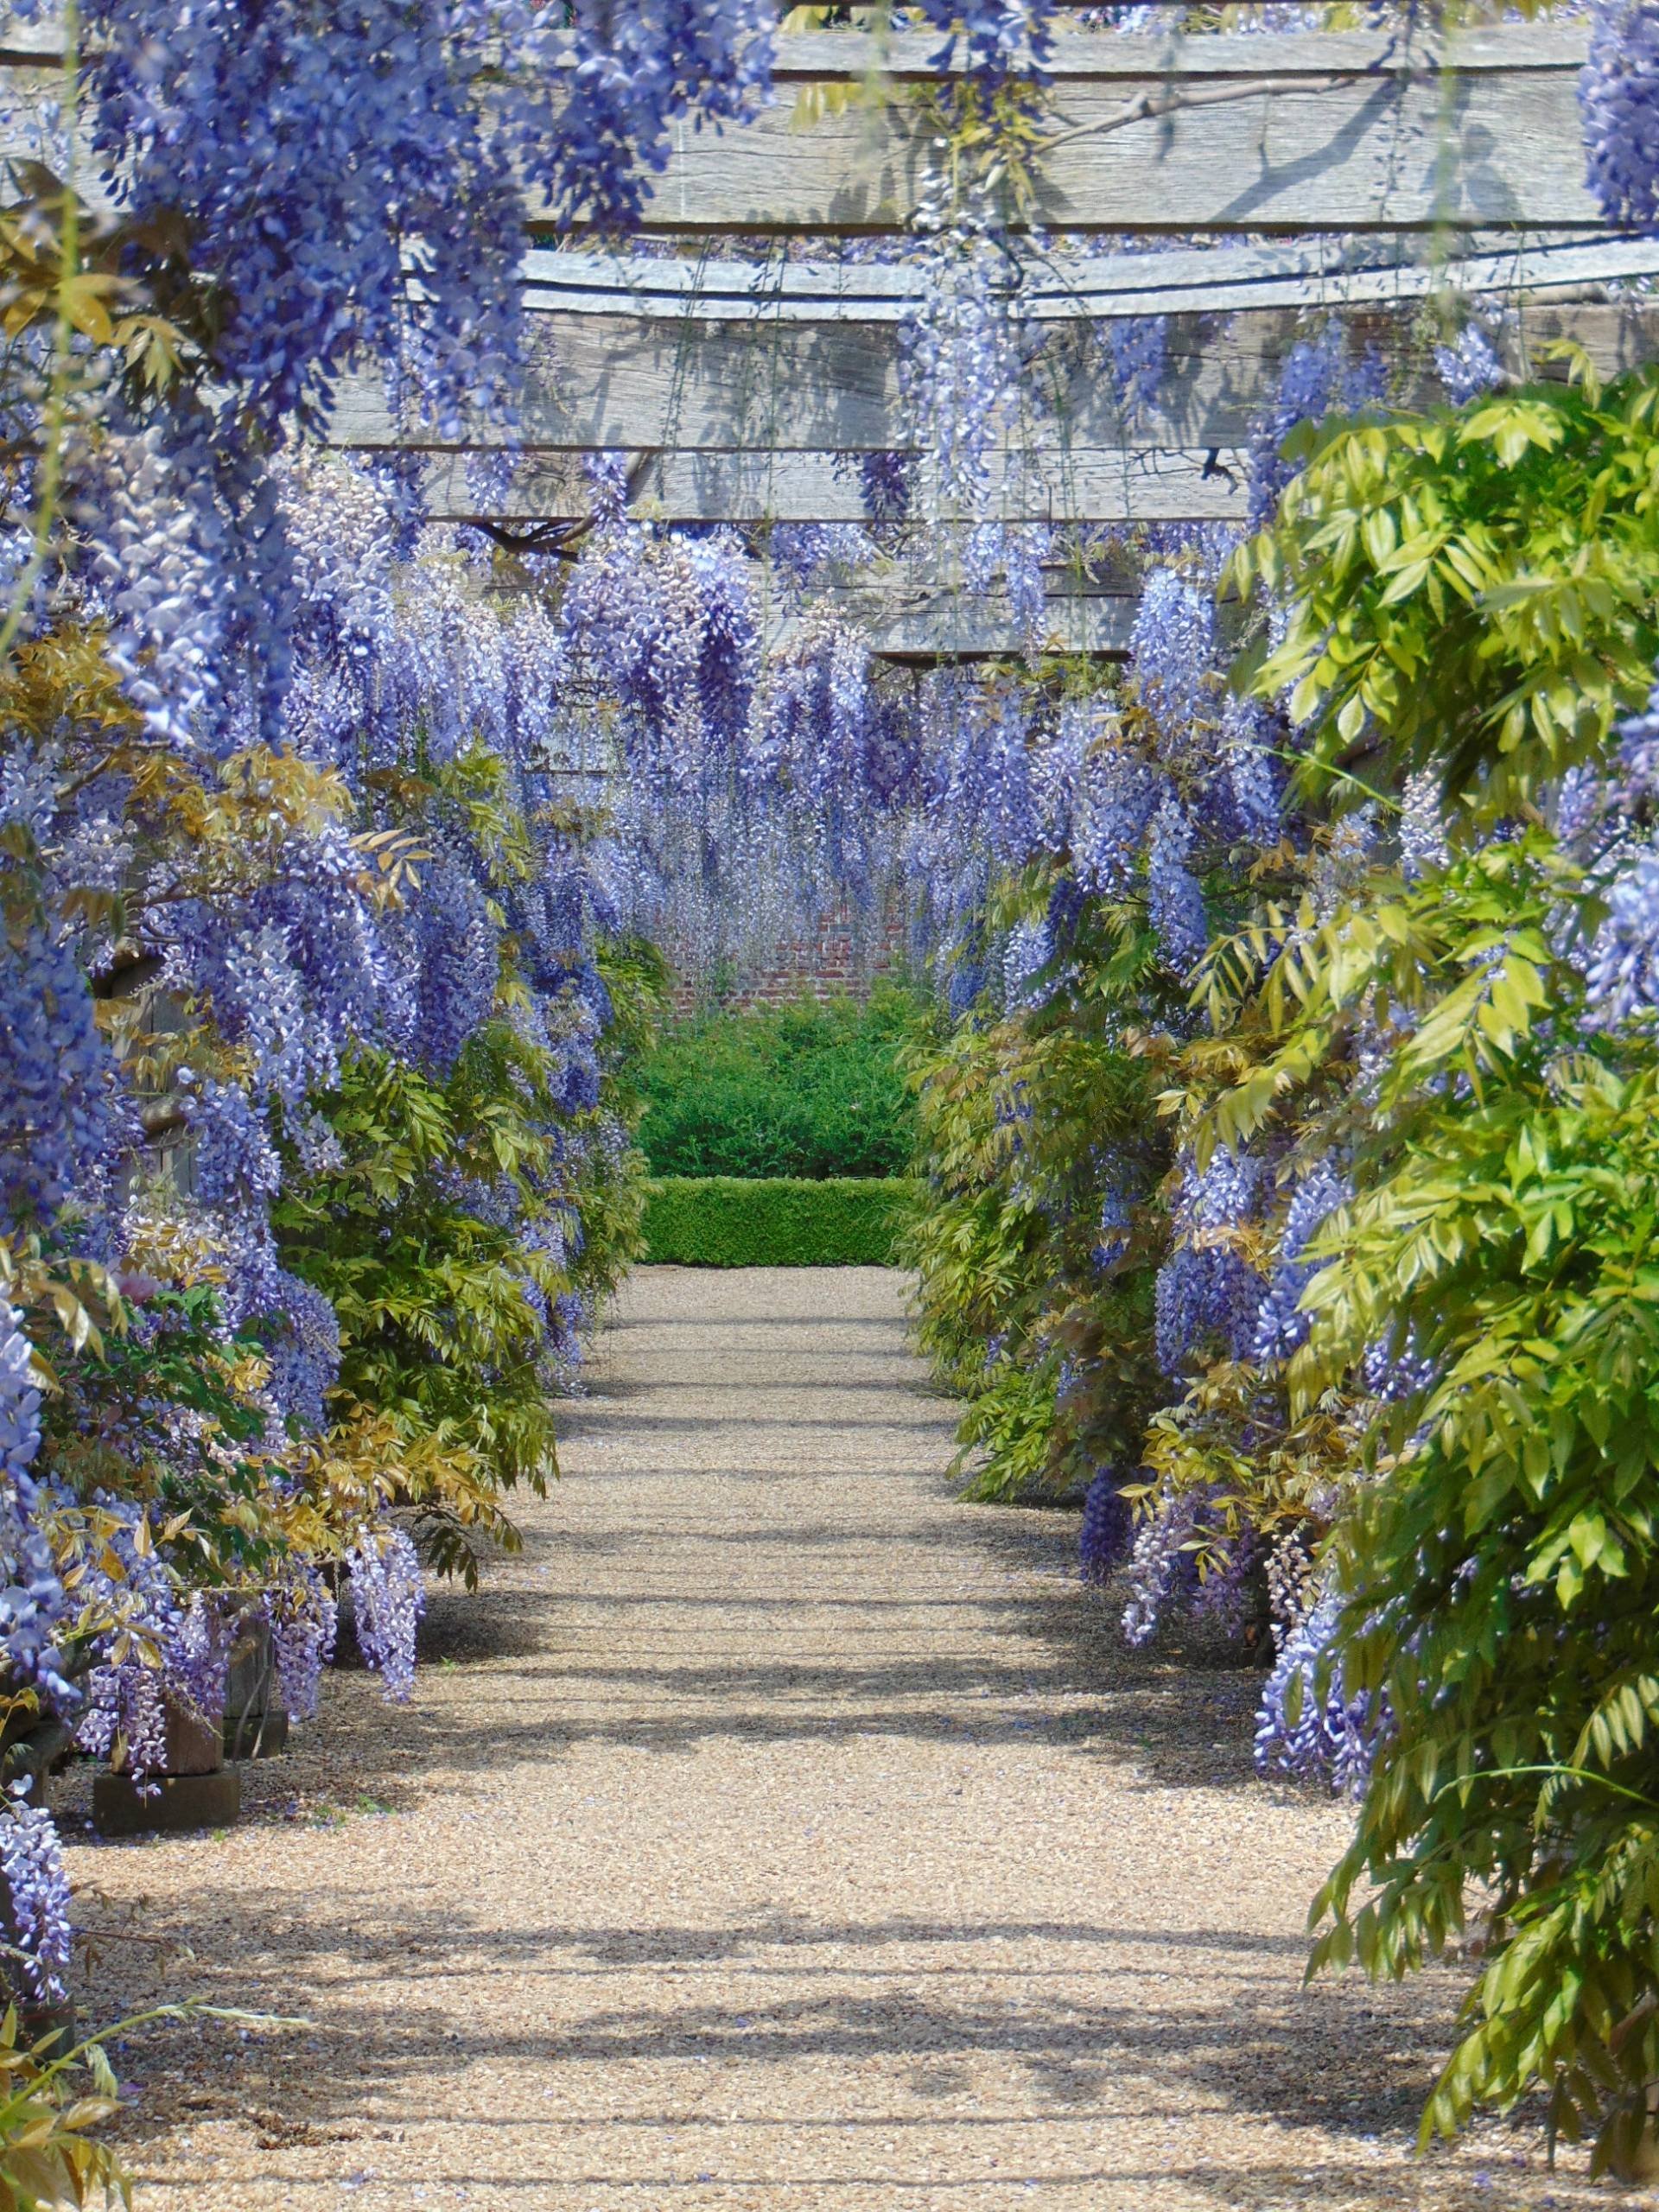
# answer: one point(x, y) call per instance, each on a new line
point(1313, 132)
point(849, 56)
point(1068, 287)
point(908, 611)
point(756, 391)
point(905, 622)
point(1097, 484)
point(1096, 629)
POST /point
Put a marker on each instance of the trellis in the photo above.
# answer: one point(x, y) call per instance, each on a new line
point(1367, 170)
point(736, 387)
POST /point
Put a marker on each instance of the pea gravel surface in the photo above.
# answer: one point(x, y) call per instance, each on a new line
point(776, 1832)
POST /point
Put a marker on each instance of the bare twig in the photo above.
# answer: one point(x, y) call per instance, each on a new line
point(1156, 102)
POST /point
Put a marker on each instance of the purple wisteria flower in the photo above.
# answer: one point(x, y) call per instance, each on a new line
point(388, 1601)
point(1282, 1326)
point(1308, 1728)
point(1618, 99)
point(35, 1918)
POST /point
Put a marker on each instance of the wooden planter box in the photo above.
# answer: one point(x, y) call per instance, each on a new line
point(194, 1790)
point(254, 1725)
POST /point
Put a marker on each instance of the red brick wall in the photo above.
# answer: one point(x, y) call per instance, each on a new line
point(826, 961)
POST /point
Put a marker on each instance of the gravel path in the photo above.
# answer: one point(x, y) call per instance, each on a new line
point(775, 1833)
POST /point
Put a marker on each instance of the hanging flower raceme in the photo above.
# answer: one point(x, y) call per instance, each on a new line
point(65, 1117)
point(1308, 1728)
point(323, 158)
point(1172, 652)
point(1618, 98)
point(960, 362)
point(1208, 1293)
point(1316, 376)
point(35, 1918)
point(36, 1613)
point(1107, 1534)
point(1282, 1326)
point(387, 1601)
point(303, 1620)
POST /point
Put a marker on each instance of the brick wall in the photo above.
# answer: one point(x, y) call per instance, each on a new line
point(828, 959)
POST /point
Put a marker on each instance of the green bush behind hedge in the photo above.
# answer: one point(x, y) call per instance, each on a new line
point(729, 1221)
point(811, 1089)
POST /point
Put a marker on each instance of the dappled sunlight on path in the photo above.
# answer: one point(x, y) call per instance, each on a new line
point(778, 1832)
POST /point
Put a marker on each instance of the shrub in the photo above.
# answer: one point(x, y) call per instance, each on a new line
point(1035, 1251)
point(813, 1089)
point(726, 1221)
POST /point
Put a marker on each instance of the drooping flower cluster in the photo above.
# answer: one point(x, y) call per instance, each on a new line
point(1469, 367)
point(34, 1608)
point(303, 1621)
point(1171, 652)
point(1281, 1324)
point(34, 1910)
point(1162, 1562)
point(1309, 1729)
point(1004, 39)
point(1316, 376)
point(63, 1120)
point(1621, 979)
point(20, 1397)
point(387, 1602)
point(1618, 98)
point(1208, 1292)
point(961, 354)
point(319, 160)
point(1106, 1536)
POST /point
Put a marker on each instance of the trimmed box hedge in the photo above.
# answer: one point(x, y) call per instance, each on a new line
point(775, 1221)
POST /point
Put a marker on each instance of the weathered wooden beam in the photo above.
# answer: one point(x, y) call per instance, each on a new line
point(1069, 287)
point(913, 610)
point(31, 45)
point(1093, 484)
point(1313, 132)
point(852, 56)
point(1215, 138)
point(648, 385)
point(927, 625)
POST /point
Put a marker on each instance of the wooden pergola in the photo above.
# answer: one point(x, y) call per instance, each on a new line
point(747, 344)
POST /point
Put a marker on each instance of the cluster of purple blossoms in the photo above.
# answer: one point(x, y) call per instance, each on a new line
point(1108, 1530)
point(196, 1662)
point(1316, 376)
point(961, 359)
point(36, 1611)
point(387, 1602)
point(1308, 1727)
point(315, 159)
point(1137, 353)
point(1170, 654)
point(1471, 368)
point(64, 1121)
point(34, 1919)
point(1205, 1296)
point(1622, 978)
point(1618, 99)
point(1175, 896)
point(1162, 1561)
point(1281, 1324)
point(303, 1621)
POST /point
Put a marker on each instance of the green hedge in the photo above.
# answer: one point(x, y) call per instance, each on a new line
point(810, 1089)
point(775, 1221)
